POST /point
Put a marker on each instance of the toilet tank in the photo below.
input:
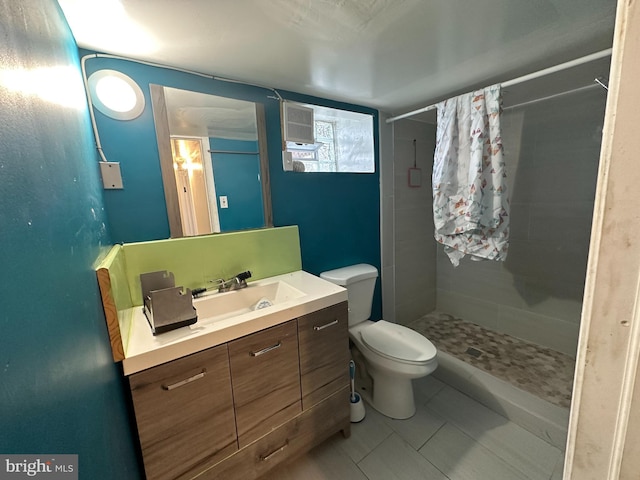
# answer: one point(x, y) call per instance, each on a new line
point(360, 281)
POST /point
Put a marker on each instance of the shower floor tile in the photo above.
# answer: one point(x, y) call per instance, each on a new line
point(538, 370)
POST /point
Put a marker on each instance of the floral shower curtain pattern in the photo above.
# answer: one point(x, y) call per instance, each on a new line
point(470, 201)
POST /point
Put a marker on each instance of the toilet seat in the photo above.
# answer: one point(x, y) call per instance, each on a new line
point(398, 342)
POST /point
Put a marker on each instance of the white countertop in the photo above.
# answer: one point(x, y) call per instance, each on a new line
point(144, 350)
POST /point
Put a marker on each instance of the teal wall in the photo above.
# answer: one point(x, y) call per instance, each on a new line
point(60, 392)
point(138, 212)
point(338, 213)
point(237, 176)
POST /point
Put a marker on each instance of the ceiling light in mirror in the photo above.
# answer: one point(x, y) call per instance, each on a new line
point(116, 95)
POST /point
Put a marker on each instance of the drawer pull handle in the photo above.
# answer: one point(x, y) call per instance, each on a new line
point(182, 383)
point(265, 350)
point(322, 327)
point(264, 458)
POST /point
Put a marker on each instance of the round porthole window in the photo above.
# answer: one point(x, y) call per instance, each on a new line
point(116, 95)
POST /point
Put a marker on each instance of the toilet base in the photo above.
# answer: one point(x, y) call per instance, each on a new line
point(393, 396)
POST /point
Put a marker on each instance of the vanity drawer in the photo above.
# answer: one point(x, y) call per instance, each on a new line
point(184, 413)
point(266, 380)
point(299, 435)
point(324, 353)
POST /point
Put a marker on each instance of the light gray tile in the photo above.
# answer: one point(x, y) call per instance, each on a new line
point(405, 155)
point(444, 282)
point(394, 459)
point(414, 276)
point(539, 300)
point(388, 293)
point(495, 286)
point(386, 156)
point(574, 120)
point(387, 232)
point(515, 445)
point(407, 129)
point(559, 470)
point(468, 267)
point(402, 150)
point(461, 458)
point(366, 435)
point(408, 291)
point(570, 182)
point(416, 267)
point(519, 221)
point(416, 250)
point(540, 329)
point(325, 462)
point(419, 428)
point(569, 223)
point(415, 280)
point(468, 308)
point(540, 287)
point(457, 376)
point(417, 261)
point(413, 222)
point(545, 420)
point(410, 308)
point(418, 234)
point(551, 262)
point(514, 144)
point(408, 197)
point(562, 150)
point(426, 388)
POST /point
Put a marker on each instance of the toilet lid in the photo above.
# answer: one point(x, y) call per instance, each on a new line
point(399, 342)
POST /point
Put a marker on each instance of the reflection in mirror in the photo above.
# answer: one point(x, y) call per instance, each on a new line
point(193, 198)
point(214, 162)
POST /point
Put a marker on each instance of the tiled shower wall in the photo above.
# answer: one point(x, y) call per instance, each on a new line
point(414, 246)
point(552, 152)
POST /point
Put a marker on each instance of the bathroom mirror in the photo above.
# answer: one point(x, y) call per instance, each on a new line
point(213, 157)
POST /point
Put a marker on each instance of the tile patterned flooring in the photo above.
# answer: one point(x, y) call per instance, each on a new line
point(451, 437)
point(541, 371)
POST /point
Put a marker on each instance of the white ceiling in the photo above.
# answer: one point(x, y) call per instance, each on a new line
point(394, 55)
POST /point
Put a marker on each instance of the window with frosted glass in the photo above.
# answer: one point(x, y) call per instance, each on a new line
point(343, 143)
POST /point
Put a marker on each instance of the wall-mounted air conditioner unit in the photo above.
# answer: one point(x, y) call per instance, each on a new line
point(298, 123)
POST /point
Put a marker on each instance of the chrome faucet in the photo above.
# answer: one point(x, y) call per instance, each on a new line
point(234, 283)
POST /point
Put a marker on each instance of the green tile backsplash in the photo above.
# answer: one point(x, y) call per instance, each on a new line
point(196, 260)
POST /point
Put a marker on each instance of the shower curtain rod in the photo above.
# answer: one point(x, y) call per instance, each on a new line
point(524, 78)
point(555, 95)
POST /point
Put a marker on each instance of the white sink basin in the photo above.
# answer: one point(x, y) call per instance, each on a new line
point(220, 306)
point(223, 317)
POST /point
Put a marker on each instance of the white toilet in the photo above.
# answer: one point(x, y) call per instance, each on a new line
point(394, 354)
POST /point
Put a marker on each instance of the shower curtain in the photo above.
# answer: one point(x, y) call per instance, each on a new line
point(470, 202)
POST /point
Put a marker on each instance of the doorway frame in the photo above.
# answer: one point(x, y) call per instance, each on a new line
point(604, 426)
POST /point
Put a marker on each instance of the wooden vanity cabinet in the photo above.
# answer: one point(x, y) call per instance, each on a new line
point(184, 413)
point(236, 410)
point(286, 442)
point(324, 353)
point(266, 380)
